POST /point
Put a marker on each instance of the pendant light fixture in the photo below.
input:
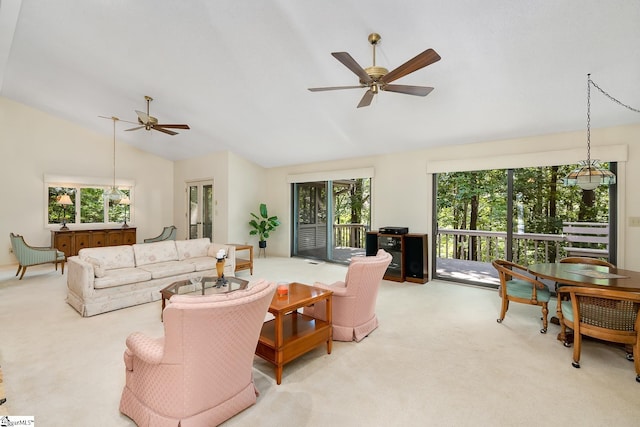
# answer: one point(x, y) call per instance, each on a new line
point(589, 175)
point(113, 193)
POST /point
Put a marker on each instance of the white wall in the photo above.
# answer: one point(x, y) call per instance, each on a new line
point(34, 143)
point(402, 189)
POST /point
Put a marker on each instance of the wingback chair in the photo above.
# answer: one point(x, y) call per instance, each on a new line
point(200, 372)
point(353, 302)
point(31, 255)
point(168, 233)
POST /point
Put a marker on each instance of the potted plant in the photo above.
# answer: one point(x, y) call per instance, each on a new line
point(262, 225)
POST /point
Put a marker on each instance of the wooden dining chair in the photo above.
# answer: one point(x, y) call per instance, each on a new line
point(586, 260)
point(601, 313)
point(516, 285)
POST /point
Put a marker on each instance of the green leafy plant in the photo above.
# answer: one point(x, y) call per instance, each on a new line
point(264, 224)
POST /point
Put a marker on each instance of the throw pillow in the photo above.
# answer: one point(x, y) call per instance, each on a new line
point(98, 267)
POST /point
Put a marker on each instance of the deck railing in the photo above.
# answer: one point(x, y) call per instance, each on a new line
point(485, 246)
point(350, 235)
point(472, 245)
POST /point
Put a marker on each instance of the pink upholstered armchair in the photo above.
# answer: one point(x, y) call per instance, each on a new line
point(200, 372)
point(354, 300)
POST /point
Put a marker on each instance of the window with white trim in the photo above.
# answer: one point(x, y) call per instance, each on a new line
point(87, 203)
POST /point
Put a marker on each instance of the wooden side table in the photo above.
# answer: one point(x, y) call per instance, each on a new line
point(241, 263)
point(291, 334)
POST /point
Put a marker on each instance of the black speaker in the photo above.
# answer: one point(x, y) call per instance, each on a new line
point(415, 258)
point(371, 243)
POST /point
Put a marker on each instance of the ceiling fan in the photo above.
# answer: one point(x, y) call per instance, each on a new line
point(378, 78)
point(151, 123)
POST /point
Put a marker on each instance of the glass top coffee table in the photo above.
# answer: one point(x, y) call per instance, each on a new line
point(208, 286)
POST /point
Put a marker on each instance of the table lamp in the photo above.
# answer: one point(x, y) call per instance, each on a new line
point(126, 202)
point(65, 201)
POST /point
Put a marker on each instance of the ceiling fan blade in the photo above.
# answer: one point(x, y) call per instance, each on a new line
point(348, 61)
point(366, 99)
point(136, 128)
point(167, 131)
point(143, 117)
point(409, 90)
point(172, 126)
point(127, 121)
point(427, 57)
point(320, 89)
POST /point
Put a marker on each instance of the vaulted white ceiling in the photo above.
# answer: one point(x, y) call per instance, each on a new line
point(238, 71)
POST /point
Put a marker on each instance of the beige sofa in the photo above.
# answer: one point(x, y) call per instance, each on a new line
point(109, 278)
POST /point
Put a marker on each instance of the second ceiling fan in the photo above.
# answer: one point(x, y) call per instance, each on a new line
point(378, 78)
point(151, 123)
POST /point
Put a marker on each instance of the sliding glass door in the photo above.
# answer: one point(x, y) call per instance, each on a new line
point(514, 214)
point(332, 218)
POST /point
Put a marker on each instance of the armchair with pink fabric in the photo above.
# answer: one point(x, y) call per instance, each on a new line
point(354, 300)
point(200, 372)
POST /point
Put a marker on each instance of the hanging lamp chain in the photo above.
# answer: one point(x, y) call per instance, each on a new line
point(114, 152)
point(611, 97)
point(589, 81)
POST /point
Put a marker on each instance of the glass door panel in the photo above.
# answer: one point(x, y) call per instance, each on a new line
point(311, 224)
point(351, 218)
point(471, 219)
point(200, 209)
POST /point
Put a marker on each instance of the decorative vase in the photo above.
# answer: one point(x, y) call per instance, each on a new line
point(220, 269)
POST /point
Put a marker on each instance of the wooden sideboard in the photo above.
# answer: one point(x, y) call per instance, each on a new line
point(71, 241)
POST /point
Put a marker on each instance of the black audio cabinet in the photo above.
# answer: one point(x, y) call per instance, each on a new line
point(409, 255)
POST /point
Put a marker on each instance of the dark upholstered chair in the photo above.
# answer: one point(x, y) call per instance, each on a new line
point(517, 286)
point(31, 255)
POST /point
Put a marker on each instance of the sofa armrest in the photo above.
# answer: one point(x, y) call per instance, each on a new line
point(149, 350)
point(80, 277)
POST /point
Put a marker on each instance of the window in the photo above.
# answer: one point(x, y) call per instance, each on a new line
point(88, 205)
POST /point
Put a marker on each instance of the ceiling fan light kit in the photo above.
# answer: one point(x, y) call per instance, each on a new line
point(376, 78)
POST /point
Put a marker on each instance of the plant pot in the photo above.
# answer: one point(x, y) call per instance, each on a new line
point(262, 244)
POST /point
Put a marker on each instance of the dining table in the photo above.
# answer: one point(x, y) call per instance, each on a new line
point(588, 275)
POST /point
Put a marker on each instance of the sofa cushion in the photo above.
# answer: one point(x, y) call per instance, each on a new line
point(151, 253)
point(110, 256)
point(98, 266)
point(167, 269)
point(192, 248)
point(202, 263)
point(120, 277)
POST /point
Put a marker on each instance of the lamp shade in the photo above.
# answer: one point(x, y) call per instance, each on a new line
point(65, 200)
point(589, 176)
point(125, 200)
point(114, 194)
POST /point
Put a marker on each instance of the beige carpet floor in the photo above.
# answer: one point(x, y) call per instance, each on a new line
point(438, 358)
